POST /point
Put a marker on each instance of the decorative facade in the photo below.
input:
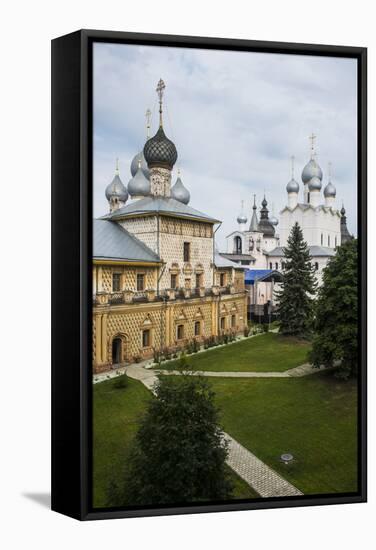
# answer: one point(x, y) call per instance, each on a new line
point(158, 282)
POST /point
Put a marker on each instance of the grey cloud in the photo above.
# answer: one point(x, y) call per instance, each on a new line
point(236, 118)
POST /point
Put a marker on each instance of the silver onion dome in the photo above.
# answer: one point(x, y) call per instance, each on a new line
point(144, 166)
point(330, 190)
point(310, 170)
point(314, 184)
point(343, 211)
point(139, 186)
point(273, 220)
point(242, 218)
point(292, 186)
point(116, 189)
point(179, 192)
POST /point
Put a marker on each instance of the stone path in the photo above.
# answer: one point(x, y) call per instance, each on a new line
point(139, 372)
point(265, 481)
point(302, 370)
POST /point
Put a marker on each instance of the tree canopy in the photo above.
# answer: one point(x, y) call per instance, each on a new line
point(179, 451)
point(336, 323)
point(295, 299)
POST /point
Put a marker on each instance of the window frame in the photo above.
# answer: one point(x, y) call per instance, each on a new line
point(143, 333)
point(178, 327)
point(143, 282)
point(186, 251)
point(116, 274)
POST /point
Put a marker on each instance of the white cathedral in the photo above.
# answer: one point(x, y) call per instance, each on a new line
point(259, 248)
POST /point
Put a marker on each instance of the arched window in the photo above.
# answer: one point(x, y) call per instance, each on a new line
point(322, 239)
point(276, 265)
point(328, 240)
point(335, 240)
point(270, 265)
point(238, 245)
point(317, 266)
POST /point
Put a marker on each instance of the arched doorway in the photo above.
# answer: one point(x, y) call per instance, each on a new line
point(237, 245)
point(116, 351)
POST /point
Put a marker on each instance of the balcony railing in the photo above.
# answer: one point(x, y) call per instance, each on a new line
point(150, 295)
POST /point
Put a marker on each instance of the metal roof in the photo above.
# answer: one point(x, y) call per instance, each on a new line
point(159, 205)
point(237, 257)
point(112, 242)
point(221, 261)
point(313, 251)
point(253, 275)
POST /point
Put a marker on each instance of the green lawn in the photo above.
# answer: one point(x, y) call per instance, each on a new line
point(314, 418)
point(264, 353)
point(116, 413)
point(115, 420)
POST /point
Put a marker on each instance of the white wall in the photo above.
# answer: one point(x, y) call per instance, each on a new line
point(27, 28)
point(314, 223)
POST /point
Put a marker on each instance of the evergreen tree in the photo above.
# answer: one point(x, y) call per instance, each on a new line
point(295, 298)
point(336, 324)
point(179, 451)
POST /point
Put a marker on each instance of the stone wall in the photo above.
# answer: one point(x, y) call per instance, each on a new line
point(166, 236)
point(127, 321)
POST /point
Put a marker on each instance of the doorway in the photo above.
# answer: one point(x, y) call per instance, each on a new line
point(116, 351)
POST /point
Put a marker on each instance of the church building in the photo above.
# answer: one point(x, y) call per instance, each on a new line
point(259, 248)
point(158, 282)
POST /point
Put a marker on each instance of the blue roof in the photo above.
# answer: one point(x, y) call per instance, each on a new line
point(252, 275)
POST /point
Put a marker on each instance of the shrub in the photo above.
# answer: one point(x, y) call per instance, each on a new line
point(183, 362)
point(246, 331)
point(137, 358)
point(265, 327)
point(120, 382)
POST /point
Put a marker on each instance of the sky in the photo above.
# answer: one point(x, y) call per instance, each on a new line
point(236, 119)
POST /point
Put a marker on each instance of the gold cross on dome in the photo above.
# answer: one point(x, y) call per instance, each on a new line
point(292, 166)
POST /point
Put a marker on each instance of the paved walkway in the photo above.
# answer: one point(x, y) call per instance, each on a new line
point(265, 481)
point(302, 370)
point(139, 372)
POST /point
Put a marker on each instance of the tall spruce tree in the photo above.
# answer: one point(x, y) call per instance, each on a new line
point(295, 298)
point(179, 451)
point(336, 323)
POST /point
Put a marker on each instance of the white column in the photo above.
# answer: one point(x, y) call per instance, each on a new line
point(292, 199)
point(315, 198)
point(329, 201)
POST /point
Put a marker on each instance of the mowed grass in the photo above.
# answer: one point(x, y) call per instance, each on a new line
point(265, 353)
point(314, 418)
point(116, 416)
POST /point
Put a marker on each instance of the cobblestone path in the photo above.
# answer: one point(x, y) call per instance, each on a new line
point(265, 481)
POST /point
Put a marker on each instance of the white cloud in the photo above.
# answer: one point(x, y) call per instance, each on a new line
point(236, 118)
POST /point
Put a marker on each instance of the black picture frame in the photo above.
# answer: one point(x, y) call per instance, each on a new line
point(71, 266)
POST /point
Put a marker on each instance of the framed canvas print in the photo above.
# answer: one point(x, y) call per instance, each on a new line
point(209, 281)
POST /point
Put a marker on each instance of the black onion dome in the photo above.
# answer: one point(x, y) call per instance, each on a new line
point(160, 151)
